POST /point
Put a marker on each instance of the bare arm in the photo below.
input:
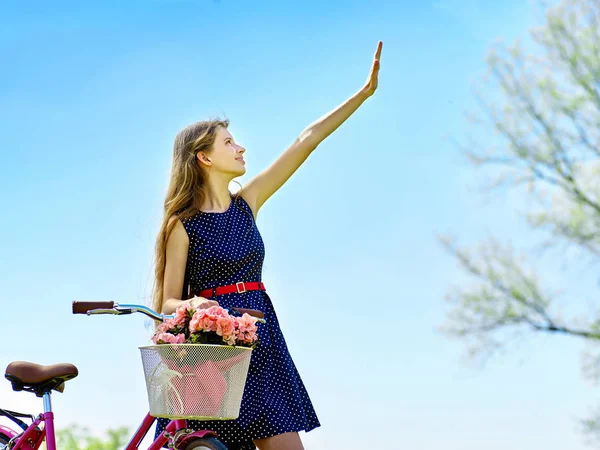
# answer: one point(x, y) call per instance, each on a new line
point(178, 244)
point(265, 184)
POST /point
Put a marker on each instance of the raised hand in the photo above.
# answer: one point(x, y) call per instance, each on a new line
point(371, 84)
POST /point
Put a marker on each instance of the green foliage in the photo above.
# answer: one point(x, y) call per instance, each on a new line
point(80, 438)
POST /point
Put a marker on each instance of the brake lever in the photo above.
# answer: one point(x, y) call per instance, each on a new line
point(103, 311)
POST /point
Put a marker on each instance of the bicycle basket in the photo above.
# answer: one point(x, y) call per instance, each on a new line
point(195, 381)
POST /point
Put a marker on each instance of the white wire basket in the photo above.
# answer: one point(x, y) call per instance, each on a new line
point(195, 381)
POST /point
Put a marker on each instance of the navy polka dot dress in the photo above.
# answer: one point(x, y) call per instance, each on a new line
point(226, 248)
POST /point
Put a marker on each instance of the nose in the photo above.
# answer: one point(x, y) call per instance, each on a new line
point(241, 150)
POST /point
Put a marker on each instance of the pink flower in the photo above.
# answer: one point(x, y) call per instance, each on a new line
point(203, 321)
point(217, 311)
point(166, 325)
point(182, 313)
point(247, 338)
point(229, 339)
point(210, 316)
point(225, 326)
point(247, 324)
point(168, 338)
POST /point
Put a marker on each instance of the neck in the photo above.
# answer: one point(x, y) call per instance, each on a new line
point(218, 197)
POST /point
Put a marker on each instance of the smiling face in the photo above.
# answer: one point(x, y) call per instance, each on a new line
point(226, 156)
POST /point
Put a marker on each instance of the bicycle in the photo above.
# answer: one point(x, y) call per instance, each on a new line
point(42, 380)
point(6, 433)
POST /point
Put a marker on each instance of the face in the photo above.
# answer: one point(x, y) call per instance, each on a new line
point(226, 155)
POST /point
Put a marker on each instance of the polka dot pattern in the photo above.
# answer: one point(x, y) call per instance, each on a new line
point(226, 248)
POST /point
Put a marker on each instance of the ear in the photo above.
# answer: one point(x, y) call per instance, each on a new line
point(203, 159)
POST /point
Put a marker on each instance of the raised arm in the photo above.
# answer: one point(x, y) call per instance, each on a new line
point(265, 184)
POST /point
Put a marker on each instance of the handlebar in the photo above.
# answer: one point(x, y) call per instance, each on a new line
point(84, 307)
point(110, 307)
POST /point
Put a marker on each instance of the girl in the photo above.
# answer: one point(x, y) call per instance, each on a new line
point(209, 249)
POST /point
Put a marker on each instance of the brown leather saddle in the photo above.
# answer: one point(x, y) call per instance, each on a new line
point(30, 377)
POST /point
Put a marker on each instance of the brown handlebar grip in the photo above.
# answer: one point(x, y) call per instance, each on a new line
point(84, 307)
point(253, 312)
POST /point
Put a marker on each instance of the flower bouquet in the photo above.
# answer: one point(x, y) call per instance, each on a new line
point(198, 364)
point(207, 326)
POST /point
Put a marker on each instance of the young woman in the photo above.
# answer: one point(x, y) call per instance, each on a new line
point(209, 249)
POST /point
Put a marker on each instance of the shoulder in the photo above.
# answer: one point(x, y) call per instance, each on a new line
point(186, 217)
point(175, 230)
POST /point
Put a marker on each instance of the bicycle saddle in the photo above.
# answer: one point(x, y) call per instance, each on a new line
point(30, 377)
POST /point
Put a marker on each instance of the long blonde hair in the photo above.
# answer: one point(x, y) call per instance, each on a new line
point(186, 193)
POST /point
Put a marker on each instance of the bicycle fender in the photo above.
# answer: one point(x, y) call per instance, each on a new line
point(7, 431)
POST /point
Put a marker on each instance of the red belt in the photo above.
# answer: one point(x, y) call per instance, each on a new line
point(239, 287)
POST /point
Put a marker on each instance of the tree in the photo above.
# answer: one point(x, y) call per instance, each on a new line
point(546, 128)
point(79, 438)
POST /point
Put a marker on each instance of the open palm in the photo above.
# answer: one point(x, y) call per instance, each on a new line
point(371, 84)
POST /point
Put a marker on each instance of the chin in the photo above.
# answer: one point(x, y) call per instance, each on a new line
point(237, 172)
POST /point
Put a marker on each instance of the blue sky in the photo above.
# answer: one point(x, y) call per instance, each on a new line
point(90, 101)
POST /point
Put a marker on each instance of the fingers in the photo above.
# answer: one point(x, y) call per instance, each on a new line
point(376, 61)
point(374, 72)
point(203, 303)
point(378, 51)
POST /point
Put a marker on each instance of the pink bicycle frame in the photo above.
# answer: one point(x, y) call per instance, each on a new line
point(33, 436)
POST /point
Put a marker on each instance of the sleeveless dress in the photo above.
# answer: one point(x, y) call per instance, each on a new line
point(225, 248)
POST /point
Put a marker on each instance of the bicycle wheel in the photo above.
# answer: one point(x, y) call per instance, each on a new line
point(205, 444)
point(4, 439)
